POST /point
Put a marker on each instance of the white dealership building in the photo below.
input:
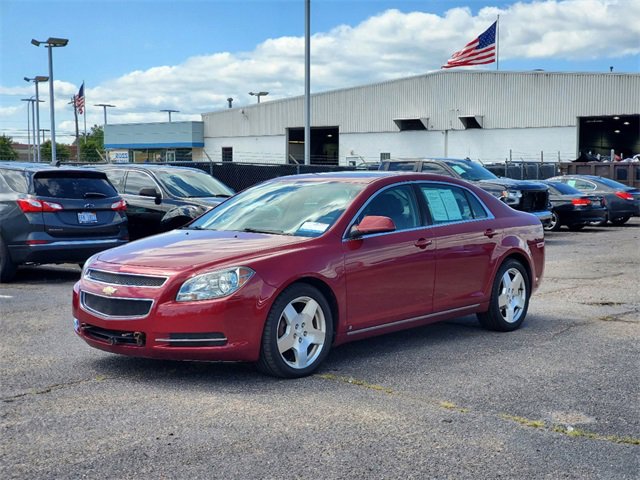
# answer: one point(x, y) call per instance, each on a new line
point(488, 116)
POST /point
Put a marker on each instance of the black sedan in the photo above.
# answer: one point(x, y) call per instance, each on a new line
point(622, 202)
point(163, 197)
point(573, 208)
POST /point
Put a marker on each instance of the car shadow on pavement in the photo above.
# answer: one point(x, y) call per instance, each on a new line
point(47, 274)
point(457, 334)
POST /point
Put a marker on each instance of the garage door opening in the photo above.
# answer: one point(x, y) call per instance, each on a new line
point(324, 145)
point(600, 135)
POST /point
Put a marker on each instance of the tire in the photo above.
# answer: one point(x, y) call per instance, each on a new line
point(620, 220)
point(554, 223)
point(297, 334)
point(509, 298)
point(576, 226)
point(7, 267)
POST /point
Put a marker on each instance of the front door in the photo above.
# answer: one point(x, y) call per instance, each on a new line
point(390, 276)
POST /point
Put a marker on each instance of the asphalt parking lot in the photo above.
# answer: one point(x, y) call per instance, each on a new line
point(558, 398)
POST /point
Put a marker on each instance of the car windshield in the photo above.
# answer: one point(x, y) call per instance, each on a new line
point(192, 184)
point(298, 208)
point(471, 171)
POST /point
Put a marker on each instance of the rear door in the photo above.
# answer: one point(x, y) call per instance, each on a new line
point(78, 204)
point(465, 240)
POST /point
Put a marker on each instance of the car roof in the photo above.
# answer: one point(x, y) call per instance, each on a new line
point(150, 167)
point(40, 167)
point(368, 177)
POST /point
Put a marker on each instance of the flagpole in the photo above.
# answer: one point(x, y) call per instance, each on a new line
point(85, 110)
point(75, 115)
point(498, 43)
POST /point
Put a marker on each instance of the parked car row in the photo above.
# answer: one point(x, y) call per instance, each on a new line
point(283, 271)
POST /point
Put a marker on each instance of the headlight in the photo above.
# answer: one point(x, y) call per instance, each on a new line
point(511, 197)
point(214, 284)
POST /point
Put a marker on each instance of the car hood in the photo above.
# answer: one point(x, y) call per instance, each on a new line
point(181, 250)
point(512, 183)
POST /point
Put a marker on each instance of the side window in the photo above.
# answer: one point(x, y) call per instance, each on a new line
point(434, 168)
point(116, 177)
point(582, 185)
point(397, 203)
point(448, 204)
point(136, 181)
point(477, 209)
point(16, 180)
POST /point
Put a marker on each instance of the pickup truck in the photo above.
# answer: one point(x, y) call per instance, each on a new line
point(530, 197)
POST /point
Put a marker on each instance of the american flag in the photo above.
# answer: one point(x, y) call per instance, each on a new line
point(79, 99)
point(479, 51)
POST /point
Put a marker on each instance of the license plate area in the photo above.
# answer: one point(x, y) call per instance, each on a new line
point(87, 217)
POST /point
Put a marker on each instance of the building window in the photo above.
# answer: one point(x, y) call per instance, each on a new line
point(227, 154)
point(385, 156)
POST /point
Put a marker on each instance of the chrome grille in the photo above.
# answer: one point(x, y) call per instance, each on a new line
point(126, 279)
point(116, 307)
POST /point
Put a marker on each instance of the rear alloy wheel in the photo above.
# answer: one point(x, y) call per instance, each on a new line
point(554, 223)
point(509, 298)
point(620, 220)
point(7, 267)
point(297, 334)
point(601, 223)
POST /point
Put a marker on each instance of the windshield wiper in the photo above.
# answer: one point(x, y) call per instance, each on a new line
point(94, 195)
point(262, 230)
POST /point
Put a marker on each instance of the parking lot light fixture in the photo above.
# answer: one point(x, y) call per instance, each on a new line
point(51, 43)
point(169, 111)
point(259, 94)
point(104, 108)
point(36, 80)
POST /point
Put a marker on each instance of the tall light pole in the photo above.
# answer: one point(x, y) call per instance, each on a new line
point(170, 112)
point(104, 107)
point(307, 82)
point(36, 80)
point(52, 43)
point(259, 94)
point(29, 115)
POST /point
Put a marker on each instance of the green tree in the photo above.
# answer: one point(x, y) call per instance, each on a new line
point(7, 152)
point(92, 145)
point(63, 152)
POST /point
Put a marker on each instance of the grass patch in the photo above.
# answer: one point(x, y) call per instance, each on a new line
point(524, 421)
point(354, 381)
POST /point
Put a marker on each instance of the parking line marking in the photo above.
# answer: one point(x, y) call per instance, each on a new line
point(6, 296)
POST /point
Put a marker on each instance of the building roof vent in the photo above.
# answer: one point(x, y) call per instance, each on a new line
point(411, 123)
point(471, 121)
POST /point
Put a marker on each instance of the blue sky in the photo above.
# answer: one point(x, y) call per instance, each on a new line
point(190, 55)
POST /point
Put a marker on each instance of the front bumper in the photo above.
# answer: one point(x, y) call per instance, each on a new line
point(544, 216)
point(61, 251)
point(228, 329)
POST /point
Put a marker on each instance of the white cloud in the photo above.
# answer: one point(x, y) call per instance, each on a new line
point(389, 45)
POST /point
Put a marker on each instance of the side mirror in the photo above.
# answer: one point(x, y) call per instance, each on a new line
point(151, 192)
point(372, 224)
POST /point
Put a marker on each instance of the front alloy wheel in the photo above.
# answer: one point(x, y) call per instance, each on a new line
point(297, 334)
point(509, 298)
point(554, 223)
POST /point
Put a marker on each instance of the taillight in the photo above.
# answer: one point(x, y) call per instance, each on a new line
point(119, 206)
point(624, 195)
point(581, 202)
point(33, 205)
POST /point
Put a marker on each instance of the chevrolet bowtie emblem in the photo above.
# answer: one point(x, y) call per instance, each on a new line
point(109, 290)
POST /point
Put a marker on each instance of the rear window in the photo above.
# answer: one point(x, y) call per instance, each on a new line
point(402, 166)
point(72, 186)
point(563, 188)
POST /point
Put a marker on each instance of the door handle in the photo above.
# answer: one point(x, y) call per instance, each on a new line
point(490, 232)
point(423, 243)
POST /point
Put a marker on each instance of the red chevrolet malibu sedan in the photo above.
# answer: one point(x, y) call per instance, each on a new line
point(281, 272)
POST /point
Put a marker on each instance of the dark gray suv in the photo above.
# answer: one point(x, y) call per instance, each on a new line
point(56, 215)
